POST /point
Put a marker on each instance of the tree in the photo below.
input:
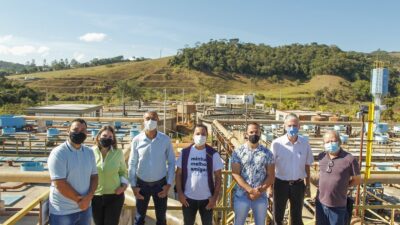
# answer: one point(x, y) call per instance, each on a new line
point(361, 90)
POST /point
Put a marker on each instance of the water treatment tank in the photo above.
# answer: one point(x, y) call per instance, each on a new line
point(396, 129)
point(8, 131)
point(12, 121)
point(344, 138)
point(94, 132)
point(381, 139)
point(339, 127)
point(308, 127)
point(380, 81)
point(117, 124)
point(381, 128)
point(51, 132)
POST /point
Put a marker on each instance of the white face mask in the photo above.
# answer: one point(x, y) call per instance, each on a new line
point(199, 140)
point(150, 125)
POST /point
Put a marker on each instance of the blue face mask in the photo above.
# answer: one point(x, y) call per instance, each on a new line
point(292, 131)
point(332, 147)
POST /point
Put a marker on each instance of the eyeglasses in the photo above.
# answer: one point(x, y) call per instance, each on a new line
point(329, 168)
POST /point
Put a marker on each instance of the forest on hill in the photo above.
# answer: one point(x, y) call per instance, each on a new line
point(295, 61)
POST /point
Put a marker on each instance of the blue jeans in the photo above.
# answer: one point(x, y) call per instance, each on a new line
point(78, 218)
point(330, 215)
point(242, 205)
point(160, 204)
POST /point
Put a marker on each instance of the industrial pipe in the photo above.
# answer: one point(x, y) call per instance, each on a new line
point(227, 134)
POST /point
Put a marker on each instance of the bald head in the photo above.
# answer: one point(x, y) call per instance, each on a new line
point(332, 136)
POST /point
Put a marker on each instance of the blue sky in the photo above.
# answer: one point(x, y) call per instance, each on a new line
point(86, 29)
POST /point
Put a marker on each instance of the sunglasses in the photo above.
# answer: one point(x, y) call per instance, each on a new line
point(329, 168)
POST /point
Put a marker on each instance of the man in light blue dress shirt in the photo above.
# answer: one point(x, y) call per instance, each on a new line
point(151, 169)
point(74, 179)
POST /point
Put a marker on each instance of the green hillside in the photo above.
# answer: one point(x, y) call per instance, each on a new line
point(157, 75)
point(295, 76)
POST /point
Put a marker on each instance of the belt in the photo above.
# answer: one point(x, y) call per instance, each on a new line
point(152, 183)
point(291, 182)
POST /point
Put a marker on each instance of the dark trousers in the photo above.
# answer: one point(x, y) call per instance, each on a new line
point(106, 209)
point(284, 191)
point(148, 190)
point(189, 213)
point(330, 215)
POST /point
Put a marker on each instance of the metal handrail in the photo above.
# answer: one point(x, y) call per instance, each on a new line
point(20, 214)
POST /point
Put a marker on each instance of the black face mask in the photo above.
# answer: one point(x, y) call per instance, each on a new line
point(254, 138)
point(77, 137)
point(106, 142)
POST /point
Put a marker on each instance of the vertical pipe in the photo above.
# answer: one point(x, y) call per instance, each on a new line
point(368, 156)
point(360, 161)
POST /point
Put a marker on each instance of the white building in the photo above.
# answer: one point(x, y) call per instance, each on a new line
point(221, 99)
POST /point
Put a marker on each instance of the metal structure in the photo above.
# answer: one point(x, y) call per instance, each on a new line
point(379, 87)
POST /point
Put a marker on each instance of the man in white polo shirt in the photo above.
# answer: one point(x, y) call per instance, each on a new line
point(73, 174)
point(293, 157)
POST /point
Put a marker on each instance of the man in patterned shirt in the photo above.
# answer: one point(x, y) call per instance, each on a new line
point(253, 169)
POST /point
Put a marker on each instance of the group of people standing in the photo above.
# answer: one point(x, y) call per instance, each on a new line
point(90, 182)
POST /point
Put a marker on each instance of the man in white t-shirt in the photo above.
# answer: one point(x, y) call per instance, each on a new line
point(198, 178)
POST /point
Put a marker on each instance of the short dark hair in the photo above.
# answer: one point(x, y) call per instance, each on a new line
point(79, 120)
point(202, 126)
point(252, 124)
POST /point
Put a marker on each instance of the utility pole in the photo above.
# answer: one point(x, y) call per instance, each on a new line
point(183, 105)
point(165, 109)
point(47, 96)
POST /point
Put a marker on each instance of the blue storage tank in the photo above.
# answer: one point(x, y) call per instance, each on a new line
point(32, 166)
point(344, 138)
point(8, 131)
point(12, 121)
point(117, 124)
point(49, 123)
point(380, 81)
point(51, 132)
point(381, 128)
point(94, 132)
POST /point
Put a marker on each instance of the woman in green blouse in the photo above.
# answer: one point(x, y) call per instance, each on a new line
point(109, 196)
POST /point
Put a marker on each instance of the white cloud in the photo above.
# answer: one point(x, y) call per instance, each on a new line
point(43, 50)
point(22, 50)
point(5, 38)
point(93, 37)
point(78, 56)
